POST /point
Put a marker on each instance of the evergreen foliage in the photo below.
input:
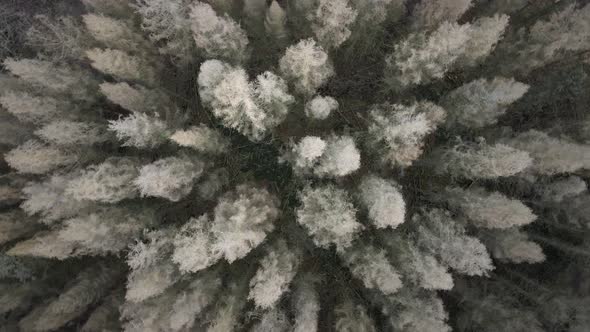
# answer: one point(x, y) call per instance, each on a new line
point(309, 165)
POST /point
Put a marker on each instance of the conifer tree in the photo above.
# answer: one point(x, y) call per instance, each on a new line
point(488, 210)
point(272, 279)
point(480, 103)
point(400, 129)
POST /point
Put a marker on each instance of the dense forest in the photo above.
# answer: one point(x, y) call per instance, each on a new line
point(295, 165)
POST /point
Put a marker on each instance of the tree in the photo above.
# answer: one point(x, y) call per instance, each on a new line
point(552, 155)
point(255, 8)
point(306, 304)
point(48, 199)
point(108, 182)
point(72, 133)
point(430, 14)
point(273, 320)
point(177, 308)
point(275, 21)
point(560, 189)
point(304, 156)
point(328, 215)
point(201, 138)
point(35, 157)
point(307, 66)
point(103, 232)
point(140, 130)
point(372, 267)
point(576, 211)
point(341, 157)
point(400, 130)
point(419, 268)
point(252, 108)
point(375, 12)
point(511, 245)
point(419, 312)
point(56, 79)
point(193, 246)
point(423, 57)
point(106, 315)
point(352, 317)
point(547, 40)
point(121, 65)
point(227, 311)
point(336, 156)
point(58, 38)
point(488, 209)
point(135, 98)
point(441, 236)
point(331, 22)
point(114, 33)
point(201, 243)
point(308, 150)
point(152, 271)
point(383, 200)
point(481, 160)
point(168, 22)
point(192, 300)
point(34, 109)
point(273, 97)
point(217, 37)
point(213, 183)
point(171, 178)
point(484, 35)
point(242, 219)
point(481, 102)
point(277, 270)
point(424, 270)
point(319, 108)
point(90, 285)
